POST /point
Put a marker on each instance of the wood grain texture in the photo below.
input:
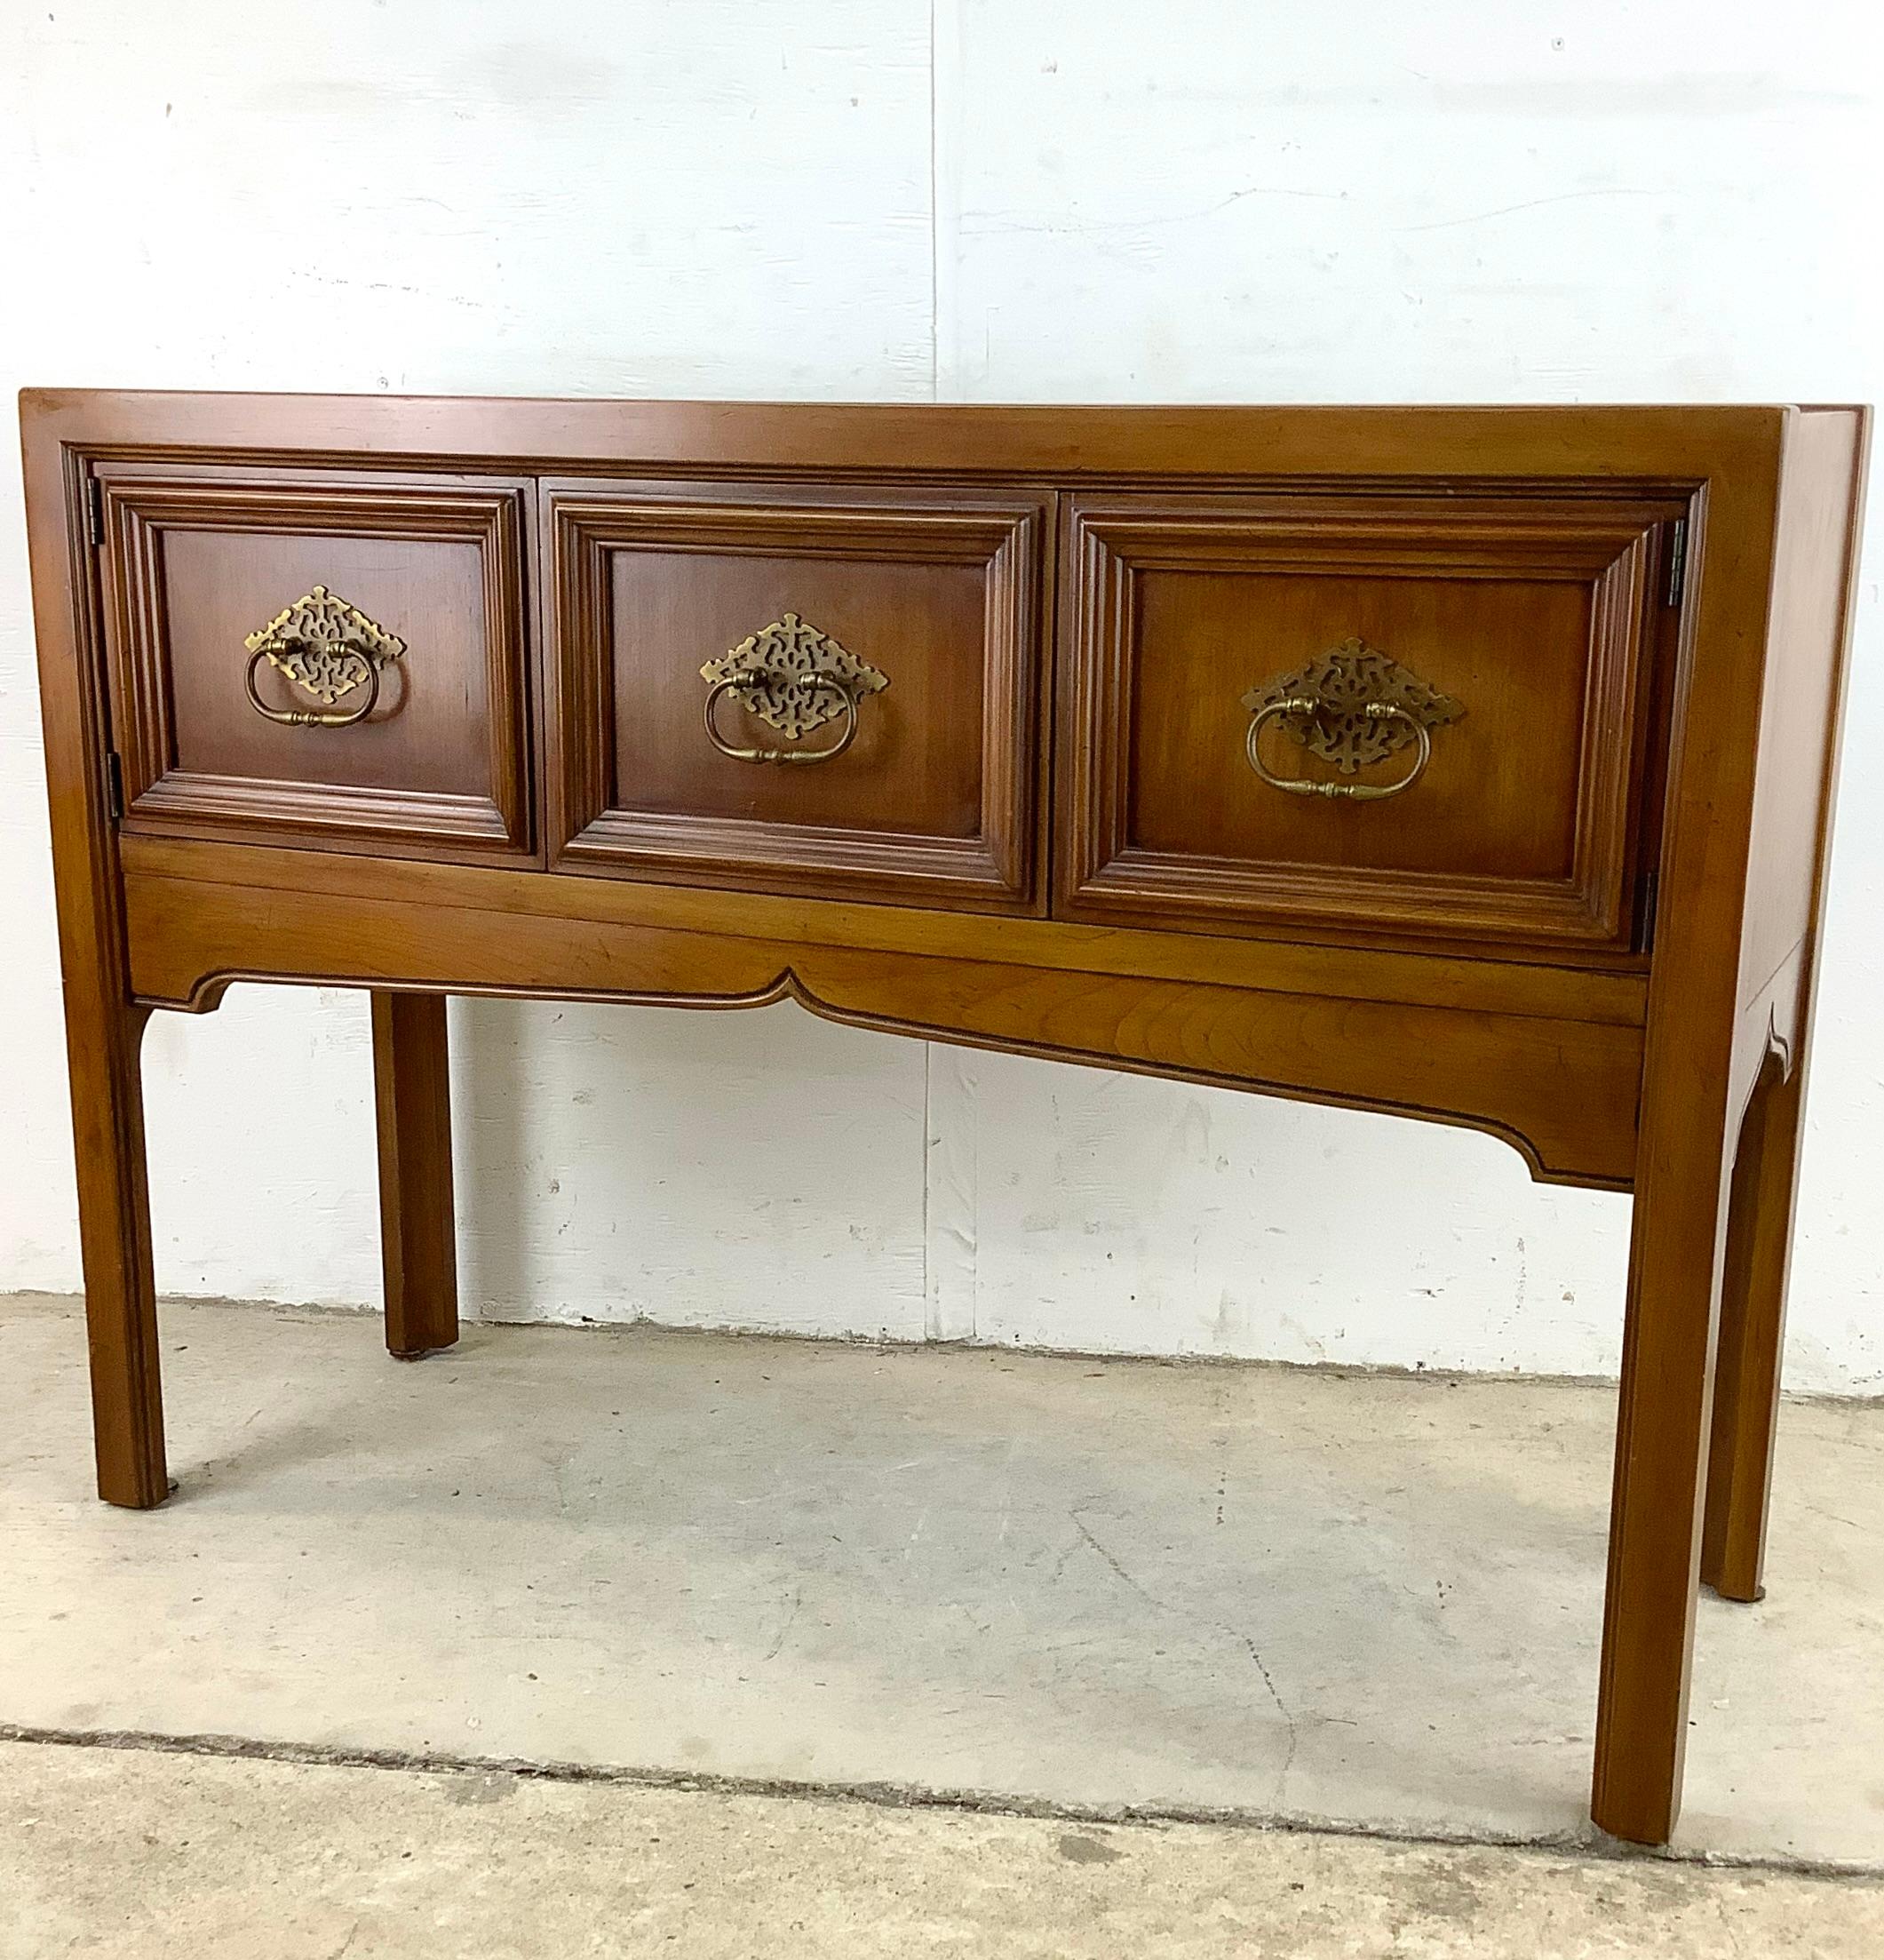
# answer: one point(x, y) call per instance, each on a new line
point(114, 1250)
point(1752, 1330)
point(1561, 1092)
point(412, 1118)
point(1490, 963)
point(1536, 612)
point(1789, 865)
point(1175, 445)
point(1705, 1048)
point(934, 800)
point(1339, 973)
point(1803, 694)
point(103, 1027)
point(196, 560)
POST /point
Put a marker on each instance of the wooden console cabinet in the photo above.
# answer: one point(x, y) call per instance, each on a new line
point(1471, 764)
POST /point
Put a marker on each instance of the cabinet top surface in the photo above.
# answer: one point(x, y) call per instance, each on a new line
point(1669, 442)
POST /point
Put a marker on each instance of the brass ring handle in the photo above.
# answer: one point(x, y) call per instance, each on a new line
point(1361, 793)
point(745, 678)
point(310, 718)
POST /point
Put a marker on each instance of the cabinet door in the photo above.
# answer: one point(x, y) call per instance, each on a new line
point(1381, 715)
point(823, 690)
point(320, 658)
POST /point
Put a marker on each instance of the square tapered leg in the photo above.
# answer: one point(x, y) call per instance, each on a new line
point(412, 1102)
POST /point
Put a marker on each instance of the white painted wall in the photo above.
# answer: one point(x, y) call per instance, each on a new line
point(873, 199)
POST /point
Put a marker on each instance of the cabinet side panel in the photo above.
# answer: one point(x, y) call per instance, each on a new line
point(1808, 630)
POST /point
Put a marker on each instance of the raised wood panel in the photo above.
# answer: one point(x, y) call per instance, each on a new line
point(197, 561)
point(1539, 613)
point(1562, 1093)
point(934, 800)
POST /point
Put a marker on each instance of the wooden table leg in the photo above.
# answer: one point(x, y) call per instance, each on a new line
point(1752, 1326)
point(412, 1099)
point(1661, 1462)
point(113, 1225)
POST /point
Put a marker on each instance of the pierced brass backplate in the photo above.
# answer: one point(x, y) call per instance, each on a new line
point(794, 677)
point(324, 646)
point(1354, 706)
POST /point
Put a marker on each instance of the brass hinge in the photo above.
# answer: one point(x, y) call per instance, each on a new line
point(113, 785)
point(94, 511)
point(1677, 561)
point(1651, 899)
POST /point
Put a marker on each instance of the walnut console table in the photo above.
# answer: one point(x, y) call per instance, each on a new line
point(1473, 764)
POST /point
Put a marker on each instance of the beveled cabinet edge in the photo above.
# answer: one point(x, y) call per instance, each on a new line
point(1099, 874)
point(494, 515)
point(533, 434)
point(1005, 530)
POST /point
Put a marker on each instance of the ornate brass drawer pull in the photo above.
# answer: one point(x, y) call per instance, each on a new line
point(1360, 792)
point(1353, 706)
point(795, 678)
point(313, 718)
point(327, 649)
point(750, 679)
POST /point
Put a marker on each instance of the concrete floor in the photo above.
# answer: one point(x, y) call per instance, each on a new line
point(1243, 1592)
point(151, 1857)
